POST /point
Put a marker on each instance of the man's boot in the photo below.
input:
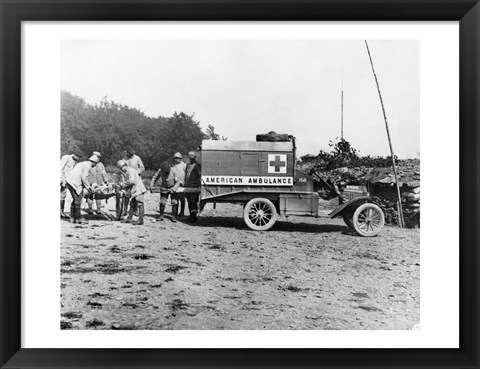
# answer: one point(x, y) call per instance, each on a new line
point(130, 216)
point(72, 213)
point(182, 209)
point(141, 213)
point(90, 207)
point(136, 210)
point(62, 207)
point(162, 210)
point(99, 206)
point(192, 218)
point(125, 206)
point(174, 213)
point(78, 214)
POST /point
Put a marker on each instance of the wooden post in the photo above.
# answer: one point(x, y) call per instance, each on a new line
point(400, 211)
point(342, 116)
point(342, 111)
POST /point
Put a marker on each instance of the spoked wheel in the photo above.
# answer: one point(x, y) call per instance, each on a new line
point(348, 219)
point(368, 220)
point(260, 214)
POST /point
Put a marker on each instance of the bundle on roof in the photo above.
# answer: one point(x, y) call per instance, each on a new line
point(274, 137)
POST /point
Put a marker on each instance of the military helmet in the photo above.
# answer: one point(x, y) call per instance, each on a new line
point(178, 156)
point(121, 163)
point(93, 159)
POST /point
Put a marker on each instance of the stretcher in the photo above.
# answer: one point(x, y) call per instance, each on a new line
point(106, 191)
point(180, 190)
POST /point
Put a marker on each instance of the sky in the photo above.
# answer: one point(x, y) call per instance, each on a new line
point(246, 87)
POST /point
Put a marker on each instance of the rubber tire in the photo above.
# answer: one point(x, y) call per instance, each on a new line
point(348, 219)
point(266, 226)
point(357, 223)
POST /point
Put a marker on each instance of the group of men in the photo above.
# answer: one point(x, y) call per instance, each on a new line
point(179, 181)
point(172, 179)
point(74, 177)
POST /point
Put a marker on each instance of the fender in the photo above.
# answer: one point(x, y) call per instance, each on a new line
point(353, 203)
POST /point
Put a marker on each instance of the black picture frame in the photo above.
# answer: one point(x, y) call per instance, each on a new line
point(12, 13)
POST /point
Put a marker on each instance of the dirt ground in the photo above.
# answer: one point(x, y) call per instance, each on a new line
point(304, 273)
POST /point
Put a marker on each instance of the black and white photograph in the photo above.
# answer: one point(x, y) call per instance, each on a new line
point(240, 185)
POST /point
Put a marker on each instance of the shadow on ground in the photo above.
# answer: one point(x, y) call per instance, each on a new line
point(280, 225)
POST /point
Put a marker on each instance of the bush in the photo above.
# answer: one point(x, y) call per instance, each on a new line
point(344, 155)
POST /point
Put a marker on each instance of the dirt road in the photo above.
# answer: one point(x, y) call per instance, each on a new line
point(304, 273)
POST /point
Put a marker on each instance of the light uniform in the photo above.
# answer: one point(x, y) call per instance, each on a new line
point(171, 179)
point(181, 195)
point(135, 184)
point(98, 174)
point(77, 180)
point(78, 176)
point(66, 165)
point(175, 179)
point(177, 176)
point(136, 163)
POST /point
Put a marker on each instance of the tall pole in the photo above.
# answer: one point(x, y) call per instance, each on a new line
point(342, 114)
point(400, 211)
point(342, 110)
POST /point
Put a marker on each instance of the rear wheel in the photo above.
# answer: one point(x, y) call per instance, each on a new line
point(368, 220)
point(260, 214)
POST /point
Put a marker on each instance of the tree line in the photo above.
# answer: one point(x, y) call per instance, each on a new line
point(109, 127)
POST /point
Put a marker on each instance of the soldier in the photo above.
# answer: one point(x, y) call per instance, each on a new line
point(162, 176)
point(135, 186)
point(181, 196)
point(133, 161)
point(77, 181)
point(97, 175)
point(193, 180)
point(172, 178)
point(67, 162)
point(177, 175)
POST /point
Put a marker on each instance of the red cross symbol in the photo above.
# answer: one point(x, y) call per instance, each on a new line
point(277, 163)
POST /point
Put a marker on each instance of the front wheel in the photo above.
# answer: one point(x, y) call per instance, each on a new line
point(368, 220)
point(260, 214)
